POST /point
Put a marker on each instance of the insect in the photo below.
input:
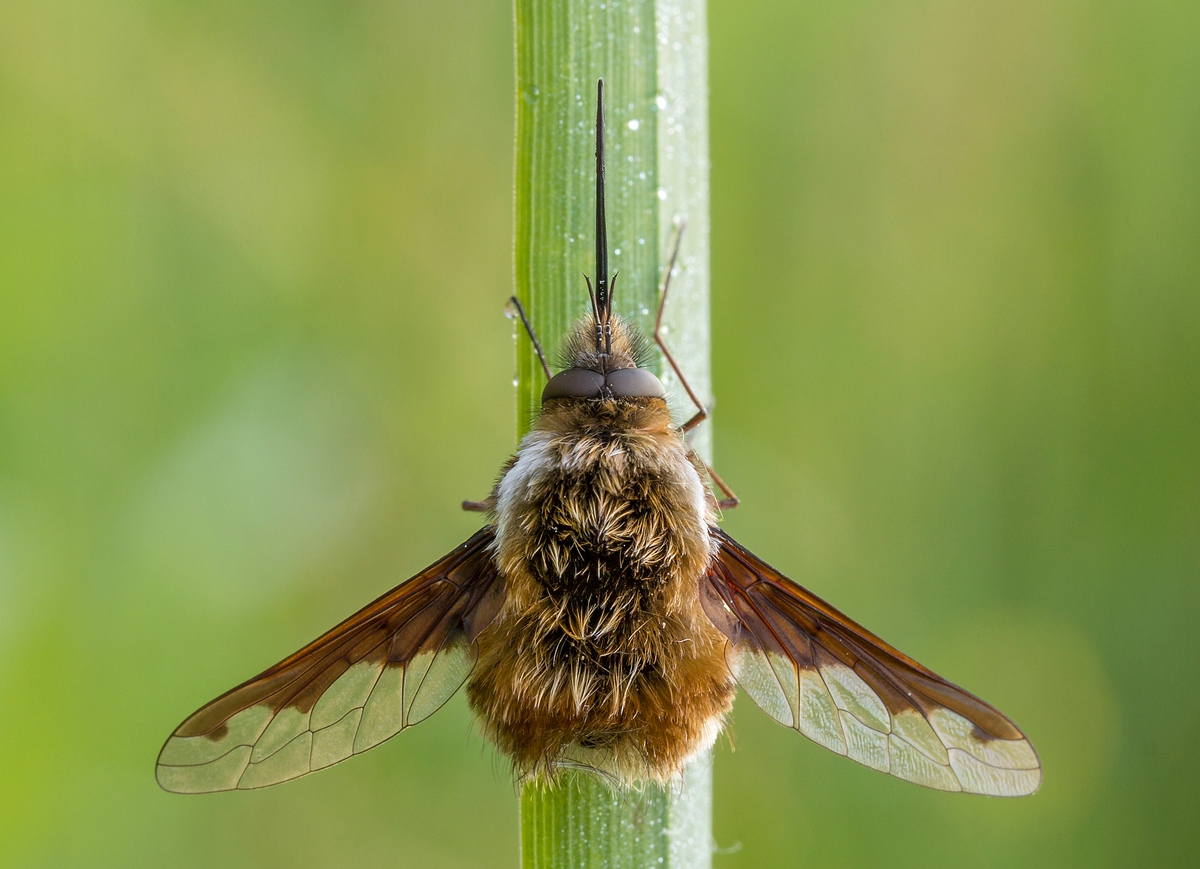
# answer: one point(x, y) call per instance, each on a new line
point(600, 620)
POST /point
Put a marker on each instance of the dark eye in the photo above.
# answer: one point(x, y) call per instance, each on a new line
point(634, 383)
point(574, 383)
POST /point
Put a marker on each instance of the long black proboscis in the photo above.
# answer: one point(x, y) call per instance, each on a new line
point(603, 300)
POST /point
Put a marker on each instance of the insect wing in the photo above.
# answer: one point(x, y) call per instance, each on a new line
point(813, 669)
point(388, 666)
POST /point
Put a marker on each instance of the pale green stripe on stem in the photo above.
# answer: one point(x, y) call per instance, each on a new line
point(581, 824)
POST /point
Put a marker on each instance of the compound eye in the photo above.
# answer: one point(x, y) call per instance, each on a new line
point(635, 383)
point(574, 383)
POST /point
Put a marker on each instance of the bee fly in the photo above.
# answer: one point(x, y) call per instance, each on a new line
point(601, 620)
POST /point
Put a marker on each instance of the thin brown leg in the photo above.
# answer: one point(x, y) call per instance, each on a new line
point(730, 500)
point(701, 410)
point(482, 506)
point(516, 303)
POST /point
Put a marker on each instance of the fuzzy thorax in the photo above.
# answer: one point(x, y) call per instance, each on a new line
point(602, 655)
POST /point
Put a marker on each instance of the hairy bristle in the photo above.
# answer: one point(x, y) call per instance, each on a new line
point(628, 347)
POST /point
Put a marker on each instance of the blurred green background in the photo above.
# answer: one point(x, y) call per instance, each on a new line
point(253, 256)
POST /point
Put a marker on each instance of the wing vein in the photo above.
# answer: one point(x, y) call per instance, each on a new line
point(927, 718)
point(430, 612)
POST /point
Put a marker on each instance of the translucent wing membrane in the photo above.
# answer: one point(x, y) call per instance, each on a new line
point(388, 666)
point(813, 669)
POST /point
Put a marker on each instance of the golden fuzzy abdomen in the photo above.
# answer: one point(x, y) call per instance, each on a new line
point(602, 655)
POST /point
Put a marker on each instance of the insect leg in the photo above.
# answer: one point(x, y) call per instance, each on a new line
point(515, 302)
point(730, 500)
point(701, 410)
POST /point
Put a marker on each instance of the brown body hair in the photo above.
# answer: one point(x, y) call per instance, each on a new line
point(602, 655)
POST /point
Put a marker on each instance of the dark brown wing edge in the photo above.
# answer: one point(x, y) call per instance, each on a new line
point(389, 665)
point(815, 669)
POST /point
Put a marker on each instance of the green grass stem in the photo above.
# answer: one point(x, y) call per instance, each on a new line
point(653, 57)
